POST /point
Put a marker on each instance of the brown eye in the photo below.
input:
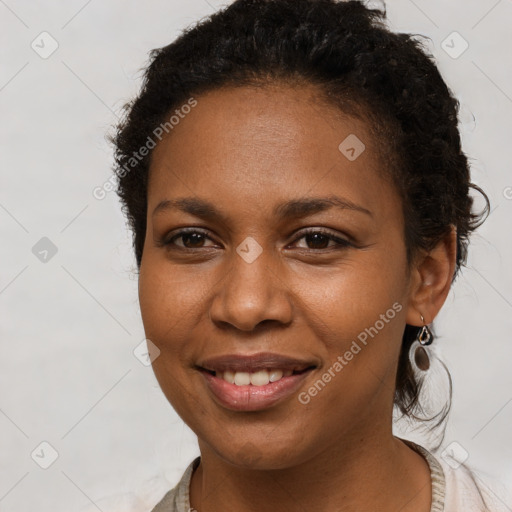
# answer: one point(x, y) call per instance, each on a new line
point(317, 239)
point(191, 239)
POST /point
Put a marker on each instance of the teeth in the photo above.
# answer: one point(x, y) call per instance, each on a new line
point(228, 376)
point(242, 378)
point(259, 378)
point(275, 375)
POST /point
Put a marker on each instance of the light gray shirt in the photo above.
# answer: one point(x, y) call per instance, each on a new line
point(453, 488)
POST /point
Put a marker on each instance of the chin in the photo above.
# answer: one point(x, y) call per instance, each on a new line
point(260, 456)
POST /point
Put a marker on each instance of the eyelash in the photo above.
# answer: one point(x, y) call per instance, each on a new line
point(341, 243)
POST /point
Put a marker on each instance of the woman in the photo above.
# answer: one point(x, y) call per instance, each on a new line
point(293, 175)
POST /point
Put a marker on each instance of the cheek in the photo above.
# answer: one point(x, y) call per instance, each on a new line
point(351, 296)
point(358, 313)
point(358, 321)
point(169, 304)
point(170, 298)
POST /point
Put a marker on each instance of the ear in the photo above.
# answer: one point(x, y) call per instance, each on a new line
point(431, 279)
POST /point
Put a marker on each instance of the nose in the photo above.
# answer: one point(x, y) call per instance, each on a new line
point(252, 294)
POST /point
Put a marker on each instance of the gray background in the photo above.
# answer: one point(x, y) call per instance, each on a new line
point(68, 375)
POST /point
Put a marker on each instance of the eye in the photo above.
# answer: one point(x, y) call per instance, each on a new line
point(320, 239)
point(191, 239)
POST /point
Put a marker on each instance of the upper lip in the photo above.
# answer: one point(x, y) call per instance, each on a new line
point(254, 362)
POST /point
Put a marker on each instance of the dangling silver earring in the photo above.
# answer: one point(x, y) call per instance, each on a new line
point(418, 354)
point(425, 335)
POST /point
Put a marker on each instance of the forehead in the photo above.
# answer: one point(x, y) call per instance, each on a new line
point(254, 145)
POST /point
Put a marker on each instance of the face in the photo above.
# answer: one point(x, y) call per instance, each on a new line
point(270, 248)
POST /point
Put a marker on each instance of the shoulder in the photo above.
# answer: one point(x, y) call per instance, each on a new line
point(469, 490)
point(177, 499)
point(458, 487)
point(174, 500)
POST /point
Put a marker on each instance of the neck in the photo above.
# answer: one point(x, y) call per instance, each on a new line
point(372, 472)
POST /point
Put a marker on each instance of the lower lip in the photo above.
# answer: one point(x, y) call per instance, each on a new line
point(253, 398)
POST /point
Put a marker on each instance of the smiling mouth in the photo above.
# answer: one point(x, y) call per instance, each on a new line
point(254, 382)
point(257, 378)
point(254, 391)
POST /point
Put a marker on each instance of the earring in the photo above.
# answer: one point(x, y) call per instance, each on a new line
point(425, 335)
point(418, 354)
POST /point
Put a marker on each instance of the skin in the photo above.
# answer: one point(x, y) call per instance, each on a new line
point(247, 150)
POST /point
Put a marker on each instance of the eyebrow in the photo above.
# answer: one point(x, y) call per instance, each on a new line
point(295, 208)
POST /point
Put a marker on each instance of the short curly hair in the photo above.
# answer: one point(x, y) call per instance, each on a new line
point(361, 67)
